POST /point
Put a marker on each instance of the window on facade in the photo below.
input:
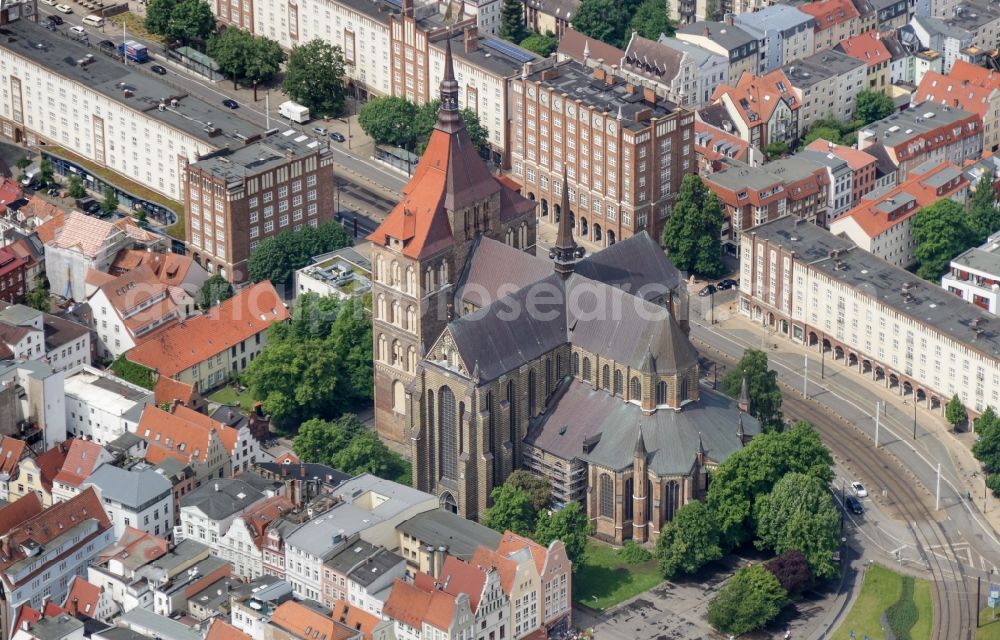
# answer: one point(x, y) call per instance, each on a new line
point(531, 393)
point(661, 392)
point(448, 453)
point(586, 369)
point(607, 496)
point(512, 402)
point(635, 389)
point(626, 500)
point(619, 388)
point(574, 360)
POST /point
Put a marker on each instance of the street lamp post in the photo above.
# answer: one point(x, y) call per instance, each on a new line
point(914, 418)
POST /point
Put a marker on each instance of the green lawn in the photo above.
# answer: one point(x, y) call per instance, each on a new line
point(228, 395)
point(990, 629)
point(136, 26)
point(880, 591)
point(604, 580)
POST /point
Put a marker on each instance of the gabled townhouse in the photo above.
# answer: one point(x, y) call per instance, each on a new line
point(555, 572)
point(729, 40)
point(65, 344)
point(84, 456)
point(208, 348)
point(13, 275)
point(680, 71)
point(862, 166)
point(763, 110)
point(61, 540)
point(827, 84)
point(423, 614)
point(87, 600)
point(839, 178)
point(521, 584)
point(26, 214)
point(233, 416)
point(428, 538)
point(970, 88)
point(295, 621)
point(242, 544)
point(836, 20)
point(168, 391)
point(125, 570)
point(208, 511)
point(31, 249)
point(243, 448)
point(928, 131)
point(101, 406)
point(716, 149)
point(12, 451)
point(361, 574)
point(172, 269)
point(35, 475)
point(173, 595)
point(869, 48)
point(886, 15)
point(883, 224)
point(169, 435)
point(787, 34)
point(486, 595)
point(138, 499)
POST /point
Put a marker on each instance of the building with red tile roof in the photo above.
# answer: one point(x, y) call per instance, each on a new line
point(355, 618)
point(968, 87)
point(429, 611)
point(13, 275)
point(869, 48)
point(862, 166)
point(294, 620)
point(76, 529)
point(87, 600)
point(224, 631)
point(487, 597)
point(37, 474)
point(242, 545)
point(172, 269)
point(168, 391)
point(555, 572)
point(715, 147)
point(836, 20)
point(170, 435)
point(83, 457)
point(12, 451)
point(882, 225)
point(242, 447)
point(10, 191)
point(520, 580)
point(763, 109)
point(208, 348)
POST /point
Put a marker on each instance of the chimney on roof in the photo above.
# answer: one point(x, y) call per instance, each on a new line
point(707, 32)
point(177, 402)
point(649, 96)
point(599, 72)
point(609, 79)
point(956, 102)
point(471, 39)
point(629, 88)
point(302, 470)
point(407, 7)
point(216, 486)
point(730, 19)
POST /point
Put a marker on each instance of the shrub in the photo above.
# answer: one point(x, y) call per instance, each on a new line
point(632, 553)
point(903, 614)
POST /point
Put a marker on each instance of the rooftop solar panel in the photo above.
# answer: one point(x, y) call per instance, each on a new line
point(508, 49)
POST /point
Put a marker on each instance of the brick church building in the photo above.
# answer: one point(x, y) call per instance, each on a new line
point(489, 359)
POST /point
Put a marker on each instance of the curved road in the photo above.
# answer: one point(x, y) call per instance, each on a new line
point(955, 616)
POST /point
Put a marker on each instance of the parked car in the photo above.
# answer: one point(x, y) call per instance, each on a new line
point(230, 103)
point(158, 70)
point(56, 20)
point(320, 131)
point(859, 489)
point(78, 32)
point(106, 44)
point(854, 505)
point(728, 283)
point(53, 192)
point(64, 8)
point(51, 3)
point(337, 136)
point(707, 290)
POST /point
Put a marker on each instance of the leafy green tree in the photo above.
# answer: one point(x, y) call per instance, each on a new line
point(426, 117)
point(986, 449)
point(512, 21)
point(511, 511)
point(277, 257)
point(762, 383)
point(158, 14)
point(872, 105)
point(634, 553)
point(213, 291)
point(23, 163)
point(941, 232)
point(750, 473)
point(110, 203)
point(569, 524)
point(38, 298)
point(190, 21)
point(46, 174)
point(366, 453)
point(984, 215)
point(244, 57)
point(954, 412)
point(651, 20)
point(314, 78)
point(543, 45)
point(791, 570)
point(605, 20)
point(826, 133)
point(135, 373)
point(689, 541)
point(538, 488)
point(347, 445)
point(692, 233)
point(76, 188)
point(389, 120)
point(775, 149)
point(752, 598)
point(799, 513)
point(140, 215)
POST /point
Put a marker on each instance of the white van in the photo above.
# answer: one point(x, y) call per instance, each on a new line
point(78, 32)
point(94, 20)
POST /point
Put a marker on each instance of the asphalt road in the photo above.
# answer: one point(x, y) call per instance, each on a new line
point(908, 484)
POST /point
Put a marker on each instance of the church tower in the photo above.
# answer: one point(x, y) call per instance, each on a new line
point(420, 250)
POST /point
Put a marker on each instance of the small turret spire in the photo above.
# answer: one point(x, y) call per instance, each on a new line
point(565, 252)
point(449, 118)
point(640, 446)
point(744, 401)
point(740, 433)
point(701, 451)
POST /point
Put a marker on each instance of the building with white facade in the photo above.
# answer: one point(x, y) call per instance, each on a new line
point(208, 511)
point(141, 500)
point(242, 544)
point(344, 273)
point(32, 397)
point(680, 71)
point(840, 181)
point(827, 84)
point(974, 275)
point(786, 34)
point(873, 318)
point(123, 569)
point(102, 406)
point(64, 344)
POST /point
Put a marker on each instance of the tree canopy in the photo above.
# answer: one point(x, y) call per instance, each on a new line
point(398, 122)
point(189, 21)
point(158, 14)
point(538, 488)
point(689, 541)
point(941, 232)
point(244, 57)
point(692, 233)
point(799, 513)
point(75, 187)
point(511, 510)
point(606, 20)
point(762, 382)
point(347, 445)
point(986, 449)
point(110, 203)
point(319, 364)
point(750, 473)
point(314, 78)
point(278, 257)
point(213, 291)
point(791, 570)
point(541, 44)
point(872, 105)
point(569, 524)
point(984, 215)
point(954, 411)
point(38, 298)
point(651, 20)
point(135, 373)
point(749, 600)
point(512, 21)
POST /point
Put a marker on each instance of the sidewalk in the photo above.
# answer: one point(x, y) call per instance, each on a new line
point(956, 446)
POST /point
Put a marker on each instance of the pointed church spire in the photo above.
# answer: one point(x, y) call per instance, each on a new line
point(640, 446)
point(449, 118)
point(744, 401)
point(740, 433)
point(701, 451)
point(565, 252)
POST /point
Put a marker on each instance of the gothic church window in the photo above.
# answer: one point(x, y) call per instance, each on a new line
point(607, 496)
point(661, 392)
point(619, 389)
point(586, 369)
point(448, 434)
point(398, 397)
point(575, 363)
point(531, 393)
point(635, 389)
point(512, 402)
point(606, 378)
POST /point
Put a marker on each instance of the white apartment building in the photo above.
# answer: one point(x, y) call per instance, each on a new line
point(242, 544)
point(40, 398)
point(874, 318)
point(208, 511)
point(683, 72)
point(839, 177)
point(974, 275)
point(102, 406)
point(827, 85)
point(141, 500)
